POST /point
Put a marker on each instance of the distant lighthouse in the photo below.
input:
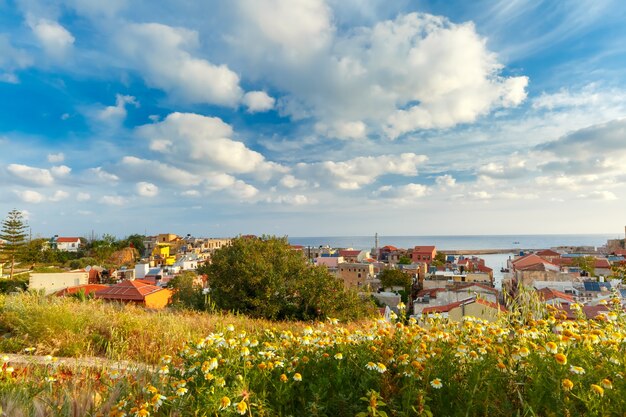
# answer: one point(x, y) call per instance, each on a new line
point(376, 245)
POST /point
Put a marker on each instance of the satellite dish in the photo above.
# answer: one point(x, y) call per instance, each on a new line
point(88, 268)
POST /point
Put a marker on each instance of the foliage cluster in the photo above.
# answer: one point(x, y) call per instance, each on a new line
point(265, 278)
point(545, 366)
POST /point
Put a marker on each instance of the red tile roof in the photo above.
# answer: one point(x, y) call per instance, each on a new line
point(347, 252)
point(497, 306)
point(389, 248)
point(620, 252)
point(602, 263)
point(548, 252)
point(548, 294)
point(444, 308)
point(88, 289)
point(527, 260)
point(67, 239)
point(483, 268)
point(423, 249)
point(128, 290)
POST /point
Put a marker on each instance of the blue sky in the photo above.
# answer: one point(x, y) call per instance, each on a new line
point(313, 117)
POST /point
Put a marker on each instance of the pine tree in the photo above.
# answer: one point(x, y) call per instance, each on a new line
point(13, 235)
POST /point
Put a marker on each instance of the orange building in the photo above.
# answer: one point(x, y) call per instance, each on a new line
point(137, 291)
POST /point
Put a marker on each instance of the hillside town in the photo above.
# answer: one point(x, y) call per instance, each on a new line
point(432, 282)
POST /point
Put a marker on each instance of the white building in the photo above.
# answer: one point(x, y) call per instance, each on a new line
point(67, 244)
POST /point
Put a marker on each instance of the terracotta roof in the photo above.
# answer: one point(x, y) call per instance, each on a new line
point(548, 252)
point(88, 289)
point(444, 308)
point(483, 268)
point(539, 266)
point(620, 252)
point(548, 294)
point(423, 249)
point(67, 239)
point(530, 259)
point(497, 306)
point(389, 248)
point(349, 252)
point(128, 290)
point(602, 263)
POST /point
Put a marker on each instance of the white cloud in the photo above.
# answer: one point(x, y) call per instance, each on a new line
point(60, 171)
point(133, 168)
point(204, 142)
point(32, 175)
point(146, 189)
point(161, 54)
point(355, 173)
point(100, 174)
point(55, 39)
point(291, 200)
point(415, 72)
point(56, 158)
point(258, 101)
point(289, 181)
point(30, 196)
point(600, 195)
point(445, 181)
point(403, 193)
point(118, 112)
point(83, 196)
point(59, 195)
point(190, 193)
point(113, 200)
point(11, 60)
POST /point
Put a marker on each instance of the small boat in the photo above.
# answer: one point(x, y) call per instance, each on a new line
point(516, 243)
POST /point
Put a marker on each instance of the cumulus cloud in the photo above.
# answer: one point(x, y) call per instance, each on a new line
point(190, 193)
point(30, 196)
point(289, 181)
point(59, 195)
point(146, 189)
point(101, 175)
point(56, 158)
point(118, 112)
point(131, 167)
point(258, 101)
point(405, 193)
point(445, 181)
point(31, 175)
point(415, 72)
point(54, 38)
point(204, 142)
point(61, 171)
point(354, 173)
point(161, 55)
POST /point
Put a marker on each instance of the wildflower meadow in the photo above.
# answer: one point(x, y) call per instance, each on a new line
point(546, 366)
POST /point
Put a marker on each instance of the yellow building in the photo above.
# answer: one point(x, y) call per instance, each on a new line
point(161, 255)
point(355, 275)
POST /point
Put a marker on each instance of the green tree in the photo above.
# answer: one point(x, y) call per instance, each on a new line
point(13, 233)
point(585, 263)
point(187, 292)
point(33, 251)
point(395, 278)
point(265, 278)
point(440, 259)
point(136, 241)
point(404, 260)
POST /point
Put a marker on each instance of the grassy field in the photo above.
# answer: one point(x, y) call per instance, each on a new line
point(231, 365)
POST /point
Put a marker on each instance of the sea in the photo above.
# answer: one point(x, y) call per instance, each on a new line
point(496, 261)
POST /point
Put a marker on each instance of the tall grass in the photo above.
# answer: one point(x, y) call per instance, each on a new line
point(64, 326)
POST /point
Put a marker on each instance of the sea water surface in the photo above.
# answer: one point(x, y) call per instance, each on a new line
point(495, 261)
